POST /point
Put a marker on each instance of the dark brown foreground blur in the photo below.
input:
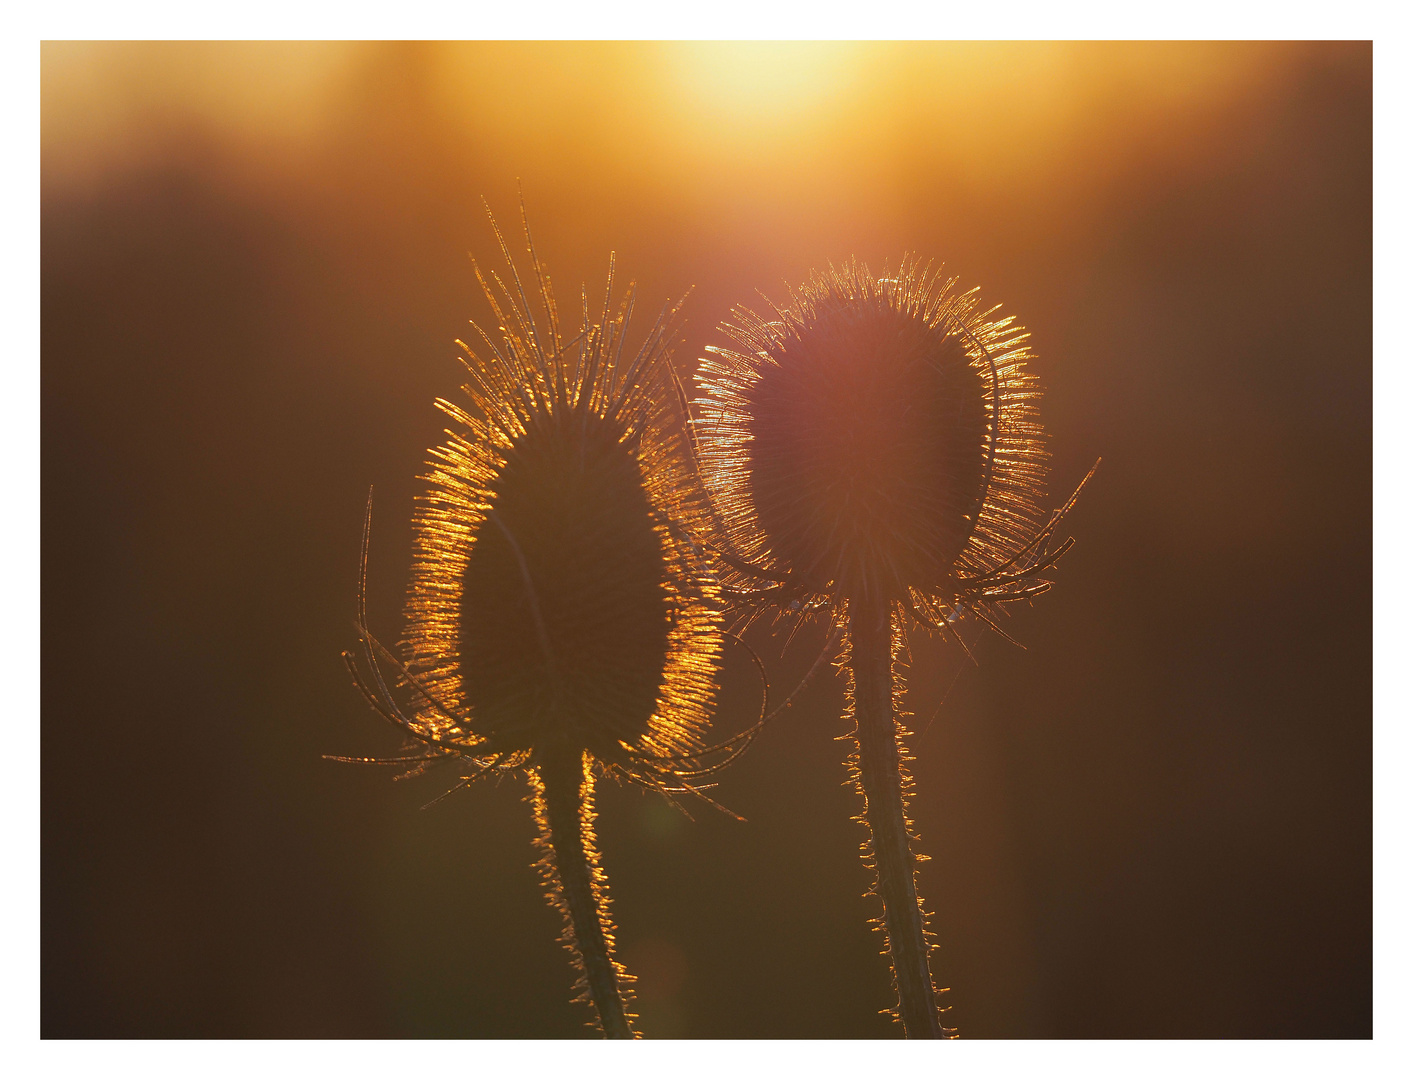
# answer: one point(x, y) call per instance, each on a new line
point(1154, 822)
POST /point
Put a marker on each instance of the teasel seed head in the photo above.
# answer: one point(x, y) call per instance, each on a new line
point(562, 619)
point(873, 450)
point(557, 597)
point(876, 437)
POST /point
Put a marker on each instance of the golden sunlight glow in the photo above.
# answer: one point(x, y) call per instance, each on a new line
point(787, 117)
point(762, 84)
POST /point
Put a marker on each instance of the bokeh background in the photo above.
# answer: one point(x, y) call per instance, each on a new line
point(1154, 821)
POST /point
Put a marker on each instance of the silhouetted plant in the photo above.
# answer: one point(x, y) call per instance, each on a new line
point(559, 622)
point(873, 452)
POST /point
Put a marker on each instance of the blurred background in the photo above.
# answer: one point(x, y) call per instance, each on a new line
point(1154, 821)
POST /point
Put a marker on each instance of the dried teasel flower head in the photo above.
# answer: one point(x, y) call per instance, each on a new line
point(561, 618)
point(556, 597)
point(877, 438)
point(873, 450)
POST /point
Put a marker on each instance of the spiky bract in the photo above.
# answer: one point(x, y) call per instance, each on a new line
point(555, 599)
point(876, 437)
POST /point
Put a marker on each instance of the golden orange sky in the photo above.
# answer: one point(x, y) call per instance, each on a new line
point(799, 116)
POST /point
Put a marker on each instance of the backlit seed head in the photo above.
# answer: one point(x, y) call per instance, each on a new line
point(557, 599)
point(875, 436)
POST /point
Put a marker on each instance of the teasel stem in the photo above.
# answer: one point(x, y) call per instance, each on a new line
point(566, 817)
point(885, 813)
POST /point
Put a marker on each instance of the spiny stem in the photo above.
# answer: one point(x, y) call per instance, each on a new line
point(880, 773)
point(567, 817)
